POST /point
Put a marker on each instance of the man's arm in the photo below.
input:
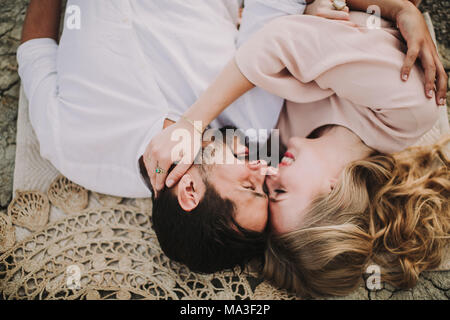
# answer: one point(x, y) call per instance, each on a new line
point(42, 20)
point(420, 44)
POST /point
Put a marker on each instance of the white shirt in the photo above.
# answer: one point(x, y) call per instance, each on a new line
point(98, 98)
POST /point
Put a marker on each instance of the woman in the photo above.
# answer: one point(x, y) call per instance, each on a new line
point(391, 210)
point(412, 28)
point(305, 73)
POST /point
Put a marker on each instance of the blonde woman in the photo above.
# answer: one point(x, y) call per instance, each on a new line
point(391, 210)
point(345, 194)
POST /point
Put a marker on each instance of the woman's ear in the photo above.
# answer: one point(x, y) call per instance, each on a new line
point(189, 192)
point(332, 183)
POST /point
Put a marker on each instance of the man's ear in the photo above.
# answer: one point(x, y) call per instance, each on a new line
point(189, 194)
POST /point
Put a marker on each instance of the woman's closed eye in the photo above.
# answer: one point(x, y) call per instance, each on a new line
point(277, 194)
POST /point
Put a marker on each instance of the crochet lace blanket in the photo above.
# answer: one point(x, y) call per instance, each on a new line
point(60, 241)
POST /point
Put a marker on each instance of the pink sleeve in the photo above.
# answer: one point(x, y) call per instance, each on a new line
point(306, 58)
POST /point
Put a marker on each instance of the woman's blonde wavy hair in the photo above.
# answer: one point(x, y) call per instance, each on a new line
point(388, 210)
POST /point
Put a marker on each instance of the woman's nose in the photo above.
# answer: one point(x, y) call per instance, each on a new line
point(294, 142)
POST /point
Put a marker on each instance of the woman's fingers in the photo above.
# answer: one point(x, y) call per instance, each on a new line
point(429, 67)
point(169, 146)
point(334, 14)
point(441, 82)
point(150, 163)
point(414, 30)
point(177, 173)
point(411, 57)
point(161, 170)
point(157, 168)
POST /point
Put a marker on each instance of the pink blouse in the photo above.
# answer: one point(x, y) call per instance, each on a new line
point(333, 73)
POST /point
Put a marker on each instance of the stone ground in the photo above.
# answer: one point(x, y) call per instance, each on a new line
point(434, 285)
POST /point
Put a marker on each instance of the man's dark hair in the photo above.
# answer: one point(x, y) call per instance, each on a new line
point(207, 239)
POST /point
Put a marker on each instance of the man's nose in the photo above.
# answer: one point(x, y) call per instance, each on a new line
point(271, 183)
point(272, 179)
point(258, 171)
point(272, 176)
point(257, 165)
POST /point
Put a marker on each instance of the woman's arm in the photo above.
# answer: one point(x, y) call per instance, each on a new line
point(389, 8)
point(229, 86)
point(42, 20)
point(301, 69)
point(420, 44)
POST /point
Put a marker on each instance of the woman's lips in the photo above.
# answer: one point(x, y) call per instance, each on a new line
point(289, 155)
point(288, 159)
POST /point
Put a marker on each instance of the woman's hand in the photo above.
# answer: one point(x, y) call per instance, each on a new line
point(166, 149)
point(178, 144)
point(325, 9)
point(420, 45)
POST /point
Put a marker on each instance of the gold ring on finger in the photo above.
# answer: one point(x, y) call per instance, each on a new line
point(159, 170)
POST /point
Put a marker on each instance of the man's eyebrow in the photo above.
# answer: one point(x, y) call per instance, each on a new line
point(257, 194)
point(260, 195)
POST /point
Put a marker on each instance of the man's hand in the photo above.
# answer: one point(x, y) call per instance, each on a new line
point(420, 45)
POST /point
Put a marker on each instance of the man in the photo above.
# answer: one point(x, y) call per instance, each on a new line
point(179, 229)
point(124, 71)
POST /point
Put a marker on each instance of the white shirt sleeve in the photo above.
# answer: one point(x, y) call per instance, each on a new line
point(37, 61)
point(259, 12)
point(37, 65)
point(286, 6)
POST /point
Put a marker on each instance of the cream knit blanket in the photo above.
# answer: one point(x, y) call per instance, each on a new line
point(64, 242)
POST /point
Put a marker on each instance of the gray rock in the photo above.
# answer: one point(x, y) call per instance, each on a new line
point(426, 291)
point(445, 56)
point(402, 295)
point(8, 72)
point(440, 15)
point(359, 294)
point(440, 280)
point(382, 294)
point(14, 91)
